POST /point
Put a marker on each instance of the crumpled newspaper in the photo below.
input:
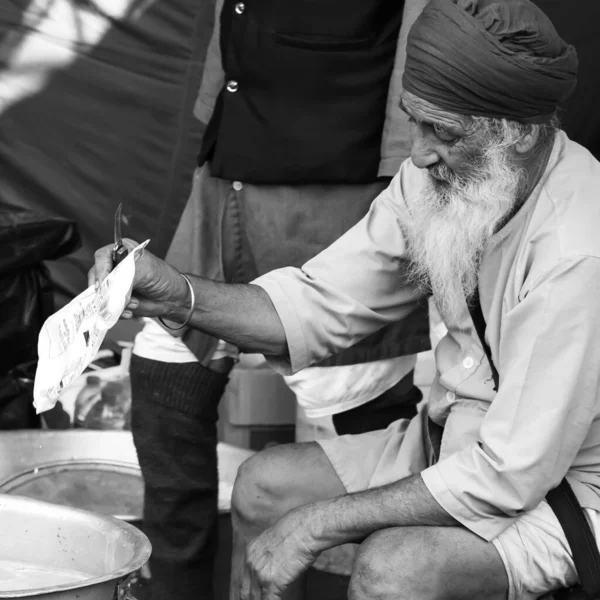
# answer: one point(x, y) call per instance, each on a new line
point(70, 339)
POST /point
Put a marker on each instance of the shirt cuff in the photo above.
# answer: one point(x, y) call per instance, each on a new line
point(480, 522)
point(298, 352)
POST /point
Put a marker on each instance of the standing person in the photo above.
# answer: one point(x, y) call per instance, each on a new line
point(497, 210)
point(298, 144)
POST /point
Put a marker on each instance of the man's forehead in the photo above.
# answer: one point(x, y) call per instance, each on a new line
point(426, 112)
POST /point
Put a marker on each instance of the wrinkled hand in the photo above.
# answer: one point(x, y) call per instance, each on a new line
point(158, 289)
point(278, 556)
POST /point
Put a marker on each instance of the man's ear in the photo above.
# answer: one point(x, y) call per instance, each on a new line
point(528, 140)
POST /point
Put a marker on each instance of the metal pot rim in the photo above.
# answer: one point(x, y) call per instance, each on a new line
point(8, 483)
point(13, 481)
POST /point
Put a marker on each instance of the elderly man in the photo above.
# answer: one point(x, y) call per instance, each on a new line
point(496, 204)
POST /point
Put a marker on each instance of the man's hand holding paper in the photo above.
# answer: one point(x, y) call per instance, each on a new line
point(159, 288)
point(70, 339)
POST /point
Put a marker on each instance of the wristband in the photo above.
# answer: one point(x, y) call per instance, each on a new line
point(190, 313)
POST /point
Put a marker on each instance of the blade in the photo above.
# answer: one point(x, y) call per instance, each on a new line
point(118, 237)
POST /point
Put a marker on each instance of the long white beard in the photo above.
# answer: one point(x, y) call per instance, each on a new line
point(453, 221)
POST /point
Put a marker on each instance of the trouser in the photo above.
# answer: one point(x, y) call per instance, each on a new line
point(235, 232)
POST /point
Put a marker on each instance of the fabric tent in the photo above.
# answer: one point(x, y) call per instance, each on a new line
point(577, 23)
point(96, 102)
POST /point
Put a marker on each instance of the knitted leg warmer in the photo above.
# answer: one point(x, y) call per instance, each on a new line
point(174, 415)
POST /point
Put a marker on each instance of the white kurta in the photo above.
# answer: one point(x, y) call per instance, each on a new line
point(540, 295)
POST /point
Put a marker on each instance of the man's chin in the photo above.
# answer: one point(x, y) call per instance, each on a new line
point(441, 189)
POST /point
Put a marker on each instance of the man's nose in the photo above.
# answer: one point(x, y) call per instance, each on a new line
point(422, 153)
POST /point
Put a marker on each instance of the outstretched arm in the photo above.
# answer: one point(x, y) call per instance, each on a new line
point(241, 314)
point(347, 292)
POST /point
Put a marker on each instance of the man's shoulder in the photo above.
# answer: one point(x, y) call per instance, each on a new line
point(571, 155)
point(575, 169)
point(570, 200)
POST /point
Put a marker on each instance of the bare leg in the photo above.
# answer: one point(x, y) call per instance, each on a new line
point(269, 485)
point(427, 563)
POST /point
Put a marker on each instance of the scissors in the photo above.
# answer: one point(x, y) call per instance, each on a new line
point(119, 251)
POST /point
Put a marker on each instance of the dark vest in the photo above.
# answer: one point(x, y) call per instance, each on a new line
point(305, 92)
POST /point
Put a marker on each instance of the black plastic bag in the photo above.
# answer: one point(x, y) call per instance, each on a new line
point(26, 239)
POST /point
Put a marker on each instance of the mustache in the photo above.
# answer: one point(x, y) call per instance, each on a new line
point(471, 169)
point(442, 172)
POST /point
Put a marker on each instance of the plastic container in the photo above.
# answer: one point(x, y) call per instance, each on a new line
point(113, 409)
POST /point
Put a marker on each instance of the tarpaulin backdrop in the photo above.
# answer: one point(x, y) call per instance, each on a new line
point(578, 24)
point(96, 102)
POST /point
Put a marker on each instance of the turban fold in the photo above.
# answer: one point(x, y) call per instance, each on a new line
point(492, 58)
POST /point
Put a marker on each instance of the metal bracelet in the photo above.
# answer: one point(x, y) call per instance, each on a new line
point(191, 311)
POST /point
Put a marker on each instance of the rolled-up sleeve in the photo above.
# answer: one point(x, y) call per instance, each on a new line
point(351, 289)
point(549, 364)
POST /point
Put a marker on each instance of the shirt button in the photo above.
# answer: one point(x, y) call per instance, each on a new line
point(240, 8)
point(237, 186)
point(232, 86)
point(468, 362)
point(450, 396)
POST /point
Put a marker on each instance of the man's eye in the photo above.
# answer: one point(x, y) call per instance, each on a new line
point(444, 135)
point(411, 120)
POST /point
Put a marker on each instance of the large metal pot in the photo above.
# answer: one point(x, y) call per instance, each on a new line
point(26, 455)
point(61, 553)
point(105, 487)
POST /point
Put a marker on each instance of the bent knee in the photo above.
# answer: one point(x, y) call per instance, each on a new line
point(390, 565)
point(259, 491)
point(279, 479)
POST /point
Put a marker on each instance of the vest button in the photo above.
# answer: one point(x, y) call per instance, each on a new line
point(232, 86)
point(240, 8)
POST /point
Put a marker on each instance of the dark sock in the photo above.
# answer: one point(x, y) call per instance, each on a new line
point(174, 415)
